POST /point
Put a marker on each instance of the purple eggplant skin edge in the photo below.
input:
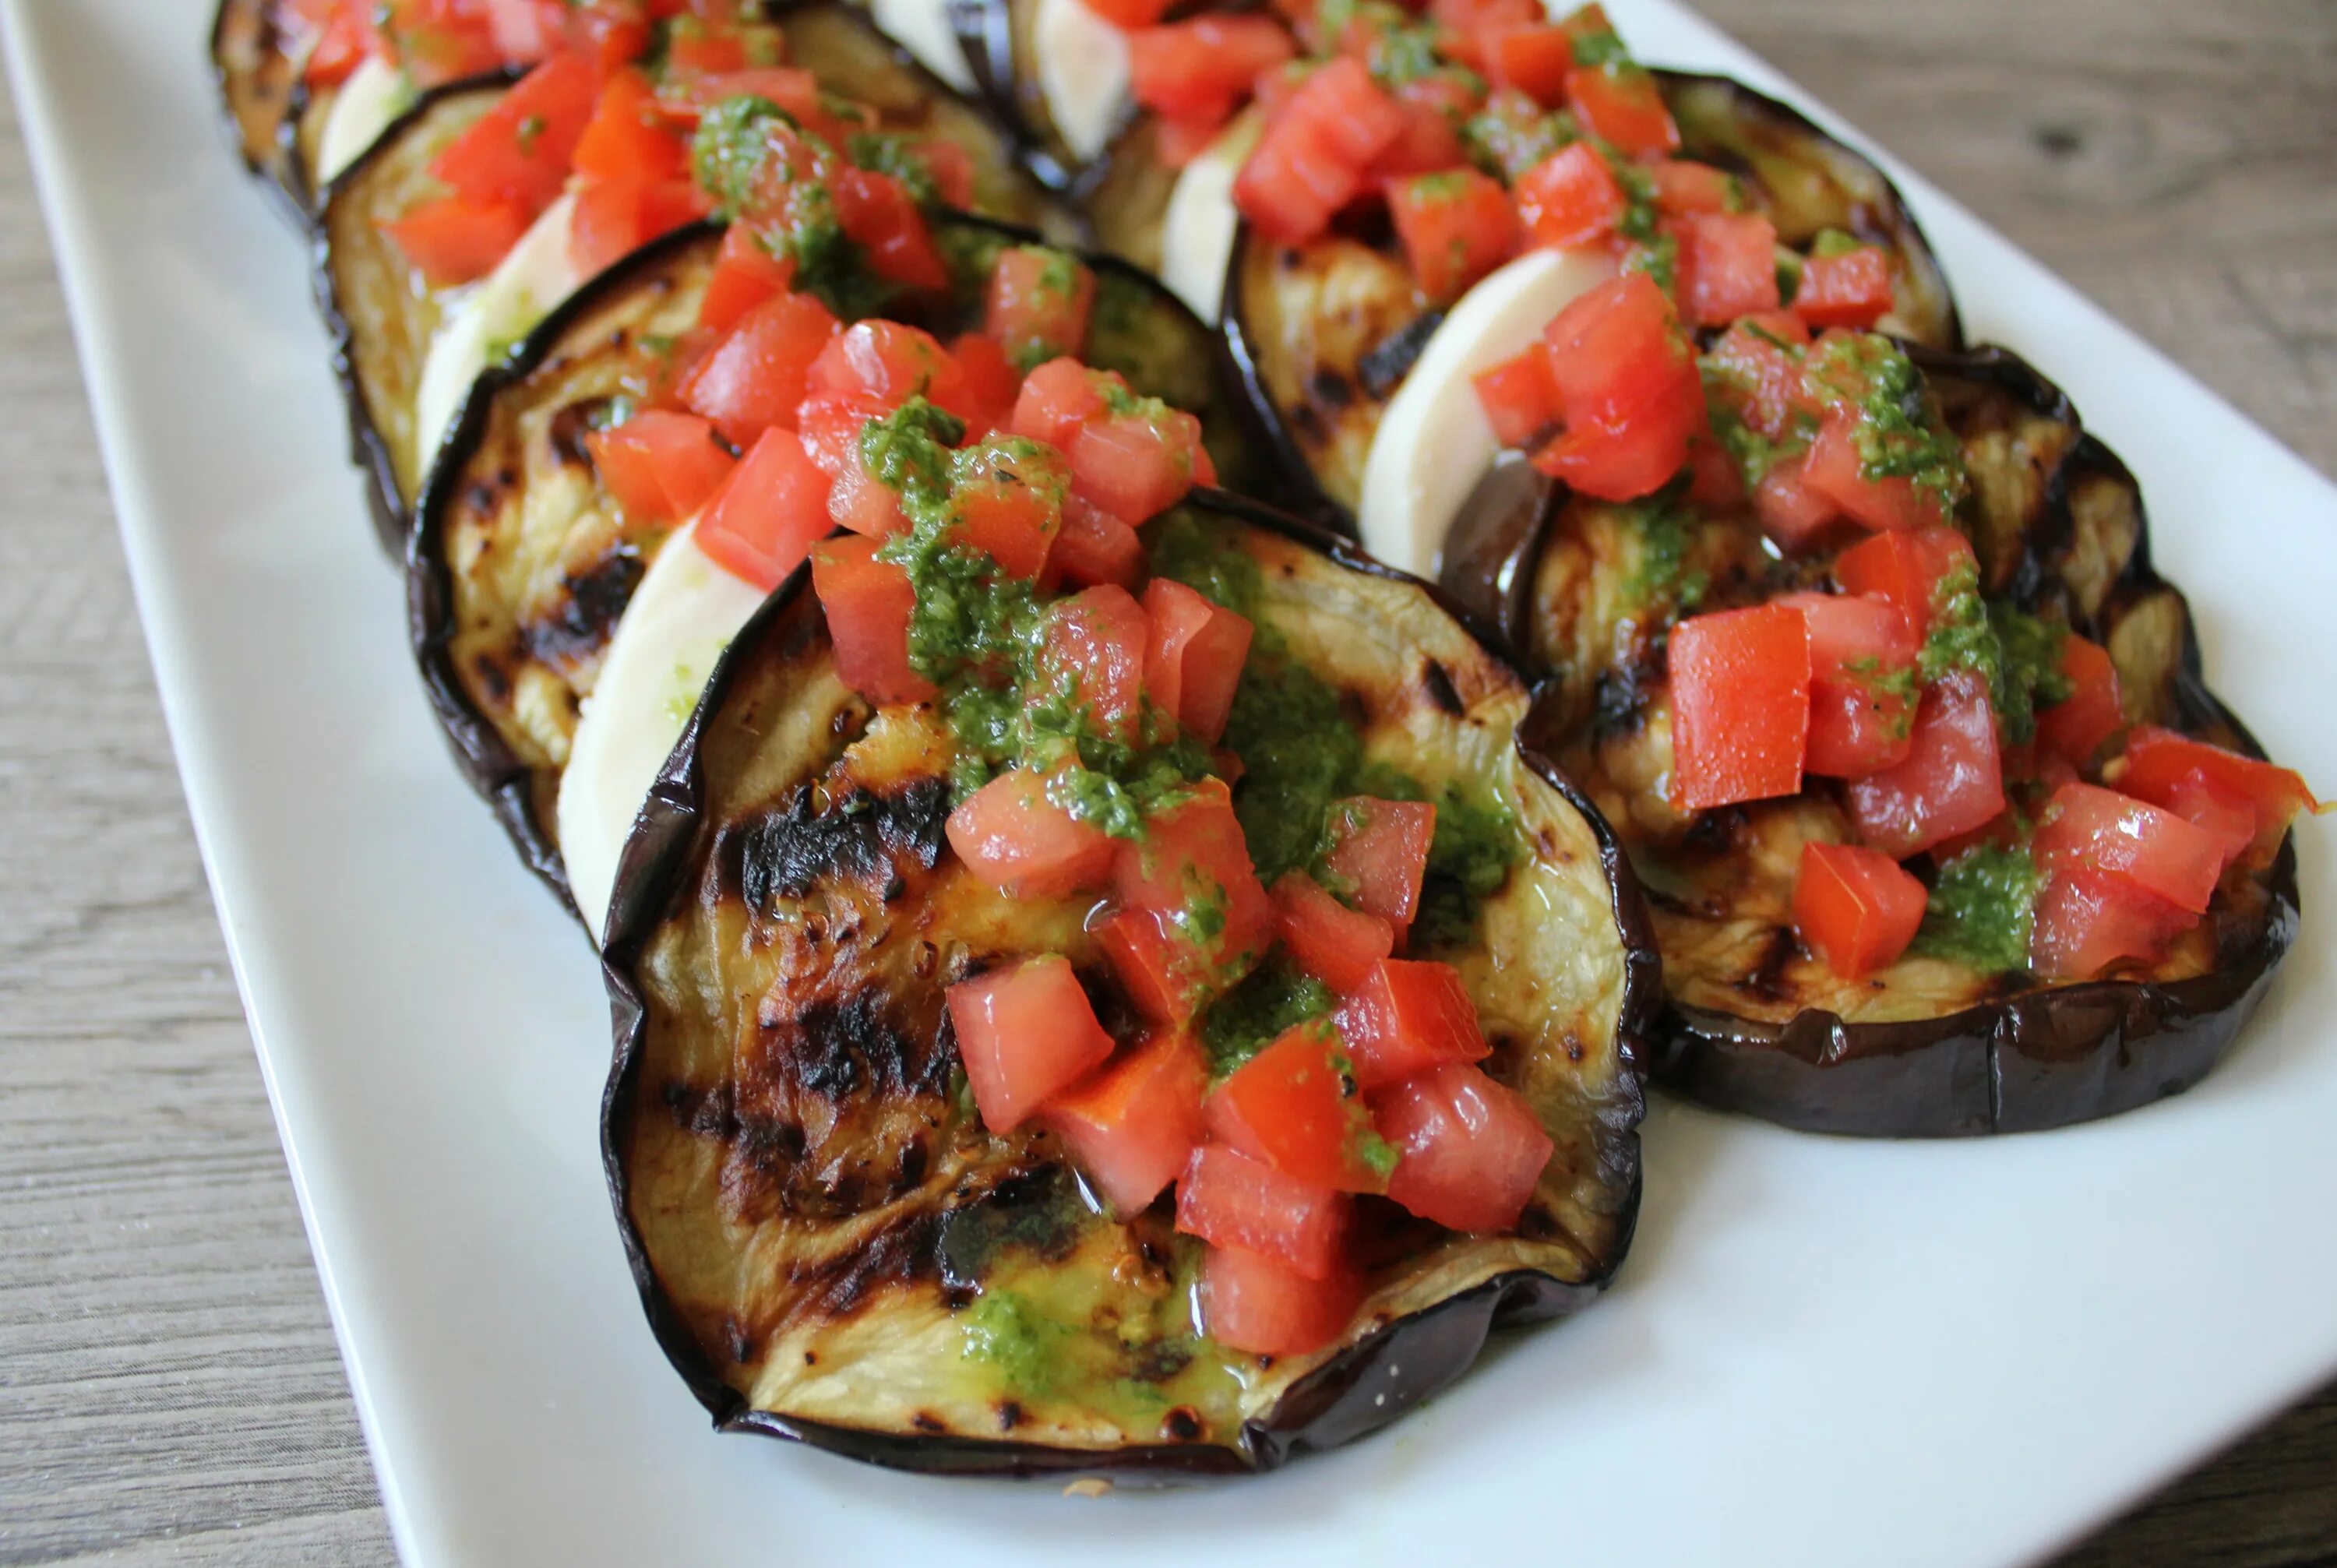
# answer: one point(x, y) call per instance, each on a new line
point(1358, 1392)
point(2038, 1059)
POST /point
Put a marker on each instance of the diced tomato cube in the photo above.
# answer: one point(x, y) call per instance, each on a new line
point(1057, 400)
point(1756, 369)
point(1133, 1125)
point(1727, 265)
point(2076, 727)
point(627, 140)
point(1194, 853)
point(1855, 907)
point(1620, 103)
point(1635, 458)
point(1740, 682)
point(1852, 288)
point(1519, 401)
point(746, 274)
point(1684, 186)
point(1434, 108)
point(2117, 836)
point(887, 362)
point(1095, 642)
point(614, 217)
point(1836, 471)
point(1571, 197)
point(951, 168)
point(1379, 854)
point(1038, 302)
point(860, 501)
point(1293, 182)
point(1094, 546)
point(1194, 656)
point(519, 151)
point(1008, 504)
point(1471, 1151)
point(1951, 781)
point(755, 378)
point(1336, 944)
point(1255, 1303)
point(831, 424)
point(1789, 510)
point(1355, 115)
point(1905, 570)
point(1134, 466)
point(2226, 815)
point(1128, 13)
point(1201, 68)
point(1862, 683)
point(1406, 1016)
point(868, 603)
point(1295, 1107)
point(877, 213)
point(1534, 58)
point(766, 519)
point(1616, 349)
point(1016, 839)
point(2157, 760)
point(988, 384)
point(2084, 922)
point(660, 465)
point(452, 239)
point(1456, 225)
point(1163, 973)
point(1230, 1200)
point(1025, 1033)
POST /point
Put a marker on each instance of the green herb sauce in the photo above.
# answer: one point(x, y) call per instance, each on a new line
point(1274, 998)
point(1983, 906)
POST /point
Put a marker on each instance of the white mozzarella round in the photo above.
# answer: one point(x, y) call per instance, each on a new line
point(673, 631)
point(1197, 229)
point(508, 304)
point(923, 28)
point(1435, 443)
point(1082, 74)
point(375, 94)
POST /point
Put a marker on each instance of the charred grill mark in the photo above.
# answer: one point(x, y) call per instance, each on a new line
point(1387, 362)
point(788, 850)
point(1330, 388)
point(1767, 978)
point(1182, 1424)
point(1441, 691)
point(585, 617)
point(1010, 1415)
point(841, 1048)
point(494, 680)
point(1619, 701)
point(923, 1421)
point(1033, 1210)
point(569, 427)
point(901, 1253)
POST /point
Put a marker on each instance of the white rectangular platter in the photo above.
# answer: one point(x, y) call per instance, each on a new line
point(1821, 1352)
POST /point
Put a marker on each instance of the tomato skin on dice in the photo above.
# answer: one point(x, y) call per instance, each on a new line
point(1133, 1124)
point(1229, 1199)
point(1024, 1033)
point(1740, 682)
point(1855, 907)
point(1258, 1304)
point(1471, 1151)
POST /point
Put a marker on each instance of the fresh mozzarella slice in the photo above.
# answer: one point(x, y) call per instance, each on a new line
point(522, 290)
point(1433, 442)
point(1197, 229)
point(1082, 74)
point(923, 28)
point(375, 94)
point(673, 631)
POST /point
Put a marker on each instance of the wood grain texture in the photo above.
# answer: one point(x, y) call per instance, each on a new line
point(168, 1388)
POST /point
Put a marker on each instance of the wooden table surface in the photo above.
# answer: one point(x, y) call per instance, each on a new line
point(169, 1386)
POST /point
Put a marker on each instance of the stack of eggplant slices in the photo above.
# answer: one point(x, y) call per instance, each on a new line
point(1170, 651)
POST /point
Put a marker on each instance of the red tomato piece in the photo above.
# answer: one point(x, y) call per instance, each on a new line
point(1230, 1200)
point(1456, 225)
point(660, 465)
point(452, 239)
point(627, 140)
point(1193, 657)
point(887, 363)
point(1293, 182)
point(1683, 186)
point(1096, 641)
point(1177, 139)
point(1025, 1033)
point(1038, 302)
point(1201, 68)
point(1471, 1150)
point(2226, 815)
point(1379, 854)
point(2117, 836)
point(1789, 511)
point(341, 45)
point(1406, 1016)
point(1295, 1107)
point(1336, 944)
point(1128, 13)
point(1616, 350)
point(746, 274)
point(1354, 114)
point(2085, 923)
point(1434, 108)
point(1835, 471)
point(1257, 1304)
point(1094, 546)
point(865, 505)
point(2157, 760)
point(1757, 372)
point(766, 519)
point(1057, 399)
point(2075, 727)
point(1134, 465)
point(1740, 683)
point(755, 376)
point(519, 151)
point(1132, 1126)
point(613, 219)
point(1727, 265)
point(1519, 401)
point(1905, 570)
point(1855, 907)
point(1533, 57)
point(1013, 837)
point(1008, 504)
point(1163, 973)
point(876, 212)
point(1862, 683)
point(868, 603)
point(1952, 782)
point(1195, 853)
point(1571, 197)
point(1620, 103)
point(989, 384)
point(1851, 289)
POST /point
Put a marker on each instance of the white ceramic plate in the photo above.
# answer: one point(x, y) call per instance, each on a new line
point(1821, 1352)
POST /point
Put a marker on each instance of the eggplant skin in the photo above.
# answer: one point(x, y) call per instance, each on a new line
point(767, 1242)
point(1928, 1048)
point(1322, 334)
point(260, 96)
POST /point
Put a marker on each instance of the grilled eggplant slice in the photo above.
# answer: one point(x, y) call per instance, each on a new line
point(829, 1245)
point(384, 319)
point(521, 563)
point(1325, 333)
point(1928, 1047)
point(259, 80)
